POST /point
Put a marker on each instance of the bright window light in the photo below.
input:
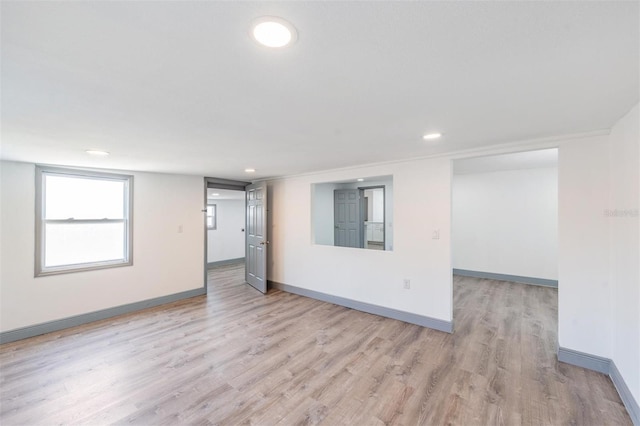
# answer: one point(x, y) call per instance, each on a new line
point(83, 220)
point(211, 216)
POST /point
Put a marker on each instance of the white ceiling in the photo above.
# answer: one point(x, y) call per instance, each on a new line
point(513, 161)
point(180, 87)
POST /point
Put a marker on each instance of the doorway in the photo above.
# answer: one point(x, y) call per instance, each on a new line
point(504, 246)
point(373, 217)
point(225, 227)
point(253, 212)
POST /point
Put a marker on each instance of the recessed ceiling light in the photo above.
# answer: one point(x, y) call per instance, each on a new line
point(430, 136)
point(215, 195)
point(272, 31)
point(249, 170)
point(360, 180)
point(97, 152)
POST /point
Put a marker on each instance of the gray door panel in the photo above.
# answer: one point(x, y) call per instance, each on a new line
point(347, 223)
point(256, 255)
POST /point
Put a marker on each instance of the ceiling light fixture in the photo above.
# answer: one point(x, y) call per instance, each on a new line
point(249, 170)
point(97, 152)
point(215, 194)
point(272, 31)
point(431, 136)
point(360, 180)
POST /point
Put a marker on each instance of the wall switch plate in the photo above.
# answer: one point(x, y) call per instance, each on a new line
point(407, 283)
point(179, 229)
point(435, 235)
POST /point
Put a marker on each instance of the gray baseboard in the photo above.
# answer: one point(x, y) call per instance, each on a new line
point(61, 324)
point(225, 262)
point(625, 394)
point(585, 360)
point(608, 367)
point(505, 277)
point(424, 321)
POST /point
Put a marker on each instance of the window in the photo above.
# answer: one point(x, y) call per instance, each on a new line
point(355, 213)
point(83, 220)
point(211, 216)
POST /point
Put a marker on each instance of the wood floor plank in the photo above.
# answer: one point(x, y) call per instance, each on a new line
point(236, 356)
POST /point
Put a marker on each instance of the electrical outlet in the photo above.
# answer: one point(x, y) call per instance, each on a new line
point(407, 283)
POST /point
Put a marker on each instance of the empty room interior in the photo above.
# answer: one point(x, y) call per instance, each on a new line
point(338, 213)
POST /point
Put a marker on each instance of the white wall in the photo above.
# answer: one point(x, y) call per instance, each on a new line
point(584, 301)
point(227, 241)
point(323, 213)
point(369, 196)
point(624, 163)
point(419, 203)
point(506, 222)
point(165, 261)
point(599, 258)
point(378, 205)
point(375, 204)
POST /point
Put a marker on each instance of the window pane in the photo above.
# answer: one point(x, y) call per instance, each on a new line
point(68, 244)
point(82, 198)
point(211, 216)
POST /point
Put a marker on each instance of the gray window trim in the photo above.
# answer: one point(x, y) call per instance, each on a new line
point(215, 216)
point(41, 171)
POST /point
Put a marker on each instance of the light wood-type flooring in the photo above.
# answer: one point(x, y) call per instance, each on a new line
point(236, 356)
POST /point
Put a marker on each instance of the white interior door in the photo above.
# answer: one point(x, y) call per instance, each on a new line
point(256, 253)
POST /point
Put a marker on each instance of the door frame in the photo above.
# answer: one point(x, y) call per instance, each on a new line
point(215, 183)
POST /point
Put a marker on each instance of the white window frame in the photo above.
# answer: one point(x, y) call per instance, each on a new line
point(40, 268)
point(214, 226)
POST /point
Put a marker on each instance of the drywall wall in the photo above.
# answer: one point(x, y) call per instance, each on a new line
point(506, 222)
point(322, 212)
point(419, 203)
point(623, 218)
point(584, 293)
point(598, 254)
point(375, 204)
point(227, 241)
point(164, 261)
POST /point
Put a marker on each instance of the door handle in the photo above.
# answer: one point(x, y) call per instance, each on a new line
point(264, 242)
